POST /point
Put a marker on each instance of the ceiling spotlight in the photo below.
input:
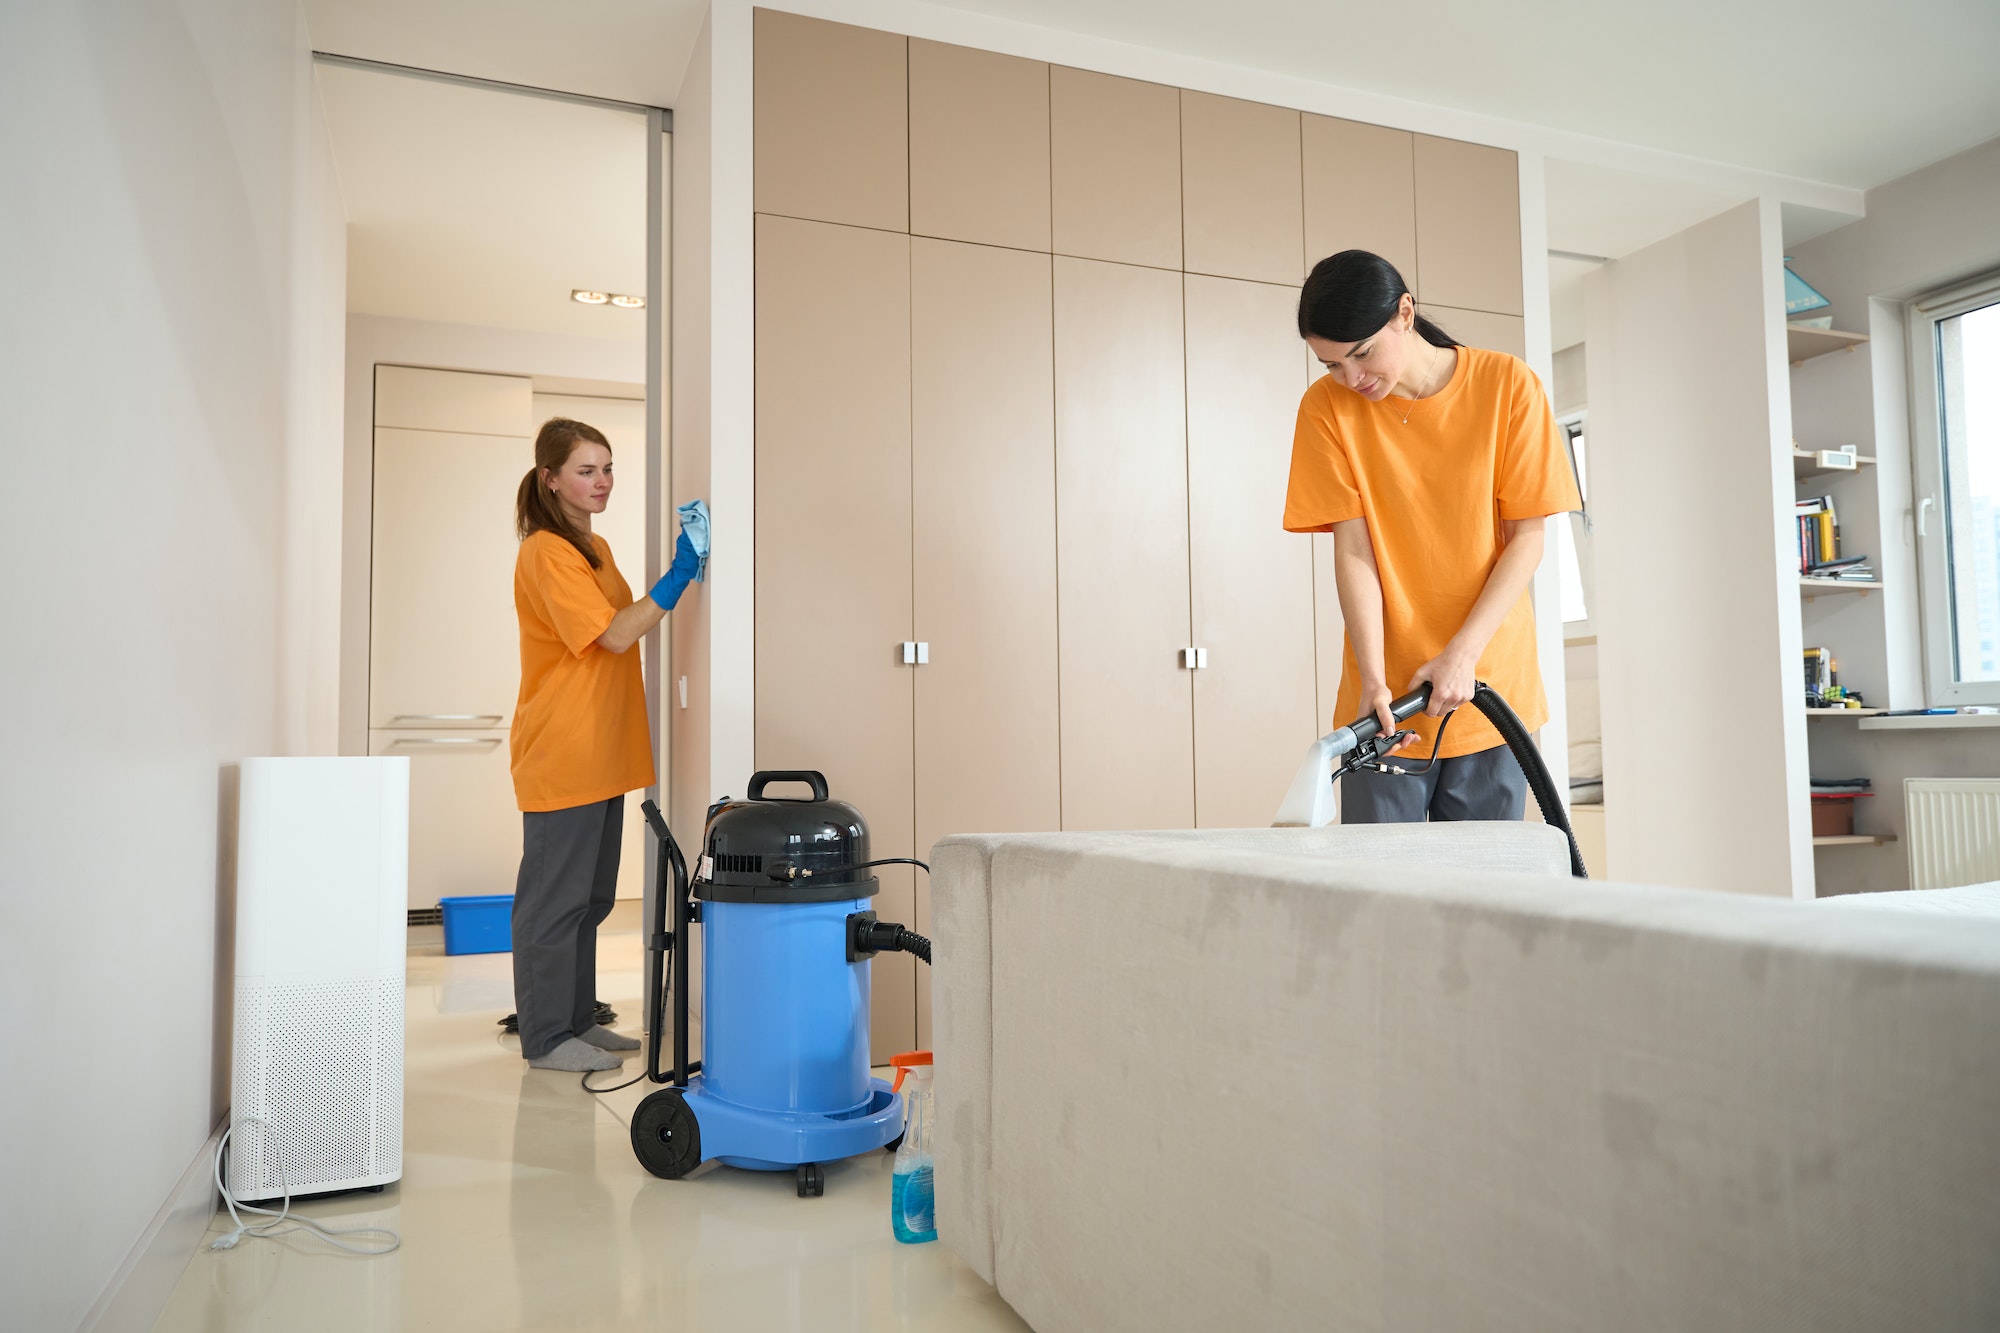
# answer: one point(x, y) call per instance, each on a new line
point(629, 302)
point(589, 298)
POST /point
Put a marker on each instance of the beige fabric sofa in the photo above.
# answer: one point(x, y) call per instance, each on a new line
point(1418, 1079)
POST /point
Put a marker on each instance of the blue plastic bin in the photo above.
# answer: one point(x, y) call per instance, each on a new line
point(483, 924)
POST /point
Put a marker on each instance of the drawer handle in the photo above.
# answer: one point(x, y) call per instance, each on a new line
point(431, 719)
point(444, 742)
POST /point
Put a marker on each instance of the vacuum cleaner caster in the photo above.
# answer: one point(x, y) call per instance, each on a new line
point(812, 1184)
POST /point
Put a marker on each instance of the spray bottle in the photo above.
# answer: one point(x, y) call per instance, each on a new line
point(912, 1194)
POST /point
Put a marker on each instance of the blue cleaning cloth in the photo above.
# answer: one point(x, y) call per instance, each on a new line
point(694, 525)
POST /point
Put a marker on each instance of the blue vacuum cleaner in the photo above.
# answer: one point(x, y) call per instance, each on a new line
point(781, 894)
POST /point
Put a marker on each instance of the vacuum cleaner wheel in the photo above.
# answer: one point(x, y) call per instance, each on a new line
point(812, 1181)
point(665, 1137)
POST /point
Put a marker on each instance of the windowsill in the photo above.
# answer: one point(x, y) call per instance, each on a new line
point(1939, 721)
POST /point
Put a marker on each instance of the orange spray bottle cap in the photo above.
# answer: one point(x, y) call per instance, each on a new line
point(904, 1063)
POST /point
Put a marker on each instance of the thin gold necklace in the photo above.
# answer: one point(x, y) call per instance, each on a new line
point(1430, 371)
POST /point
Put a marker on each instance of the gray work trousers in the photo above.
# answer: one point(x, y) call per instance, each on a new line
point(567, 885)
point(1487, 784)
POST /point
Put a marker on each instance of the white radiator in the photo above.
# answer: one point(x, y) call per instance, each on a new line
point(1954, 831)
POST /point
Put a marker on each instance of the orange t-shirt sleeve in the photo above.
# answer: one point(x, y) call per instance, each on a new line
point(1321, 491)
point(1534, 478)
point(563, 588)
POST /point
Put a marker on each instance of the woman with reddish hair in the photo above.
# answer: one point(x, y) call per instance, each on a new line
point(580, 739)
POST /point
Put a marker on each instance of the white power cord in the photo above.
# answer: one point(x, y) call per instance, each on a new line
point(282, 1222)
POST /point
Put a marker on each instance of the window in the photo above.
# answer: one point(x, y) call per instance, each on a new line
point(1573, 539)
point(1955, 359)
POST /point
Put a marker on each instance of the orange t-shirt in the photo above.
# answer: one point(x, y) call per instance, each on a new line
point(1483, 449)
point(580, 731)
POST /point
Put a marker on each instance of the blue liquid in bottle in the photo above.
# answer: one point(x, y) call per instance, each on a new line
point(912, 1203)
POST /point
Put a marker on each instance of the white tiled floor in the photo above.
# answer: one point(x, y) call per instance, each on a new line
point(522, 1207)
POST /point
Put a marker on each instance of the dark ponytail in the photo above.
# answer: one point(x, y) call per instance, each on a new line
point(1353, 295)
point(535, 509)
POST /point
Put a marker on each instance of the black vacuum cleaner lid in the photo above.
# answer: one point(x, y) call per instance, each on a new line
point(769, 849)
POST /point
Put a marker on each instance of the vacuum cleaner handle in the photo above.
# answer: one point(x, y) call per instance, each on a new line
point(817, 781)
point(653, 820)
point(1367, 727)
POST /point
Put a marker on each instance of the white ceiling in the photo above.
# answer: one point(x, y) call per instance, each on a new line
point(1847, 92)
point(478, 207)
point(628, 50)
point(1840, 92)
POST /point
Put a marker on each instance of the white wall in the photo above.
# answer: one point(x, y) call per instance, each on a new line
point(168, 249)
point(1927, 229)
point(714, 354)
point(373, 339)
point(1698, 608)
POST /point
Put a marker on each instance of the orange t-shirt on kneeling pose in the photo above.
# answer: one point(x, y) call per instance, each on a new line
point(580, 732)
point(1482, 450)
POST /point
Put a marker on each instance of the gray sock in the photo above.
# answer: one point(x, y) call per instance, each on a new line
point(573, 1056)
point(604, 1039)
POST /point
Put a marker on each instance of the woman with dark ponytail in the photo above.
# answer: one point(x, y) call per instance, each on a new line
point(580, 739)
point(1434, 465)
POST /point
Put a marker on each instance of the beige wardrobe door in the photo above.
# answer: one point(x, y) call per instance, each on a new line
point(1115, 168)
point(988, 737)
point(1468, 226)
point(1478, 328)
point(1360, 192)
point(1121, 544)
point(1255, 700)
point(979, 146)
point(833, 543)
point(1240, 188)
point(831, 121)
point(444, 645)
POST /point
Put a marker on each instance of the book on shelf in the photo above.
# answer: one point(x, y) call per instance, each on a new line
point(1820, 555)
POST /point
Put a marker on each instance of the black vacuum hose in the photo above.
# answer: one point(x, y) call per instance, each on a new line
point(1488, 701)
point(911, 942)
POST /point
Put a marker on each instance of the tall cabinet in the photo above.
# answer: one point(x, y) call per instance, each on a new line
point(1026, 378)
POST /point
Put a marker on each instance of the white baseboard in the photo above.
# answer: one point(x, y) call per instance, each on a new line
point(132, 1301)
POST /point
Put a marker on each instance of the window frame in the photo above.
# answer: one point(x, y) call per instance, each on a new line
point(1929, 502)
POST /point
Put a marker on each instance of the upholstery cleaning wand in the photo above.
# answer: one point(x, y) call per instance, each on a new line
point(1361, 744)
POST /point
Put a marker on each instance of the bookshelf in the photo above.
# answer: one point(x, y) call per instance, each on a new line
point(1805, 463)
point(1845, 712)
point(1802, 345)
point(1855, 840)
point(1813, 587)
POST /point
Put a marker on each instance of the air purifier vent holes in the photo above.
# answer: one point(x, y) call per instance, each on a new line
point(318, 1089)
point(739, 865)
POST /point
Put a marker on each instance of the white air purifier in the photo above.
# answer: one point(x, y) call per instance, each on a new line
point(323, 855)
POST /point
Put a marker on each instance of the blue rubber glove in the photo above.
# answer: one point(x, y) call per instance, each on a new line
point(674, 582)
